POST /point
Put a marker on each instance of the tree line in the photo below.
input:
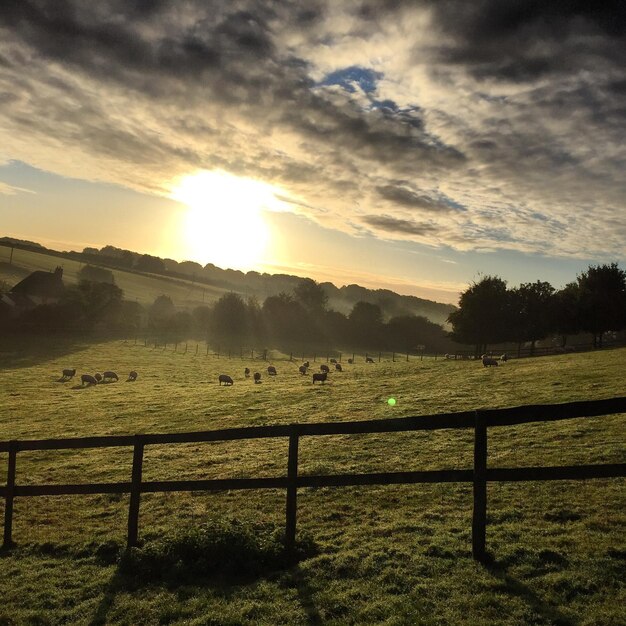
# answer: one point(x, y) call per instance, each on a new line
point(293, 320)
point(489, 313)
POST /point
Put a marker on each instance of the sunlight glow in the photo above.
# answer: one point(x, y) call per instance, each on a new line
point(224, 223)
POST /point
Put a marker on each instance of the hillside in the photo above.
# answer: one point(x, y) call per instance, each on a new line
point(189, 284)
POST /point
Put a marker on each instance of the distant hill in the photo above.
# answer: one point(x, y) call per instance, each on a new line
point(190, 284)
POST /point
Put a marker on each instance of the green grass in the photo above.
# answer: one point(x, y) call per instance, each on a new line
point(383, 555)
point(143, 288)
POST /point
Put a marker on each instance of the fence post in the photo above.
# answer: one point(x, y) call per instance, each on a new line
point(479, 515)
point(292, 493)
point(135, 493)
point(7, 542)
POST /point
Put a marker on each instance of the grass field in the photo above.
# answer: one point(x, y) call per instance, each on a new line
point(143, 288)
point(383, 555)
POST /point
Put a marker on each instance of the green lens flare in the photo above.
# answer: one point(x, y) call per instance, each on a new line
point(391, 402)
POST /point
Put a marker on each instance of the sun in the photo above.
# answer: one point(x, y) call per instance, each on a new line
point(224, 222)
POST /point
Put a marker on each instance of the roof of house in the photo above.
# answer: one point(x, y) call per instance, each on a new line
point(42, 284)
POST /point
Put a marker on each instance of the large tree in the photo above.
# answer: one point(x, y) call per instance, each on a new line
point(482, 315)
point(366, 324)
point(531, 312)
point(602, 300)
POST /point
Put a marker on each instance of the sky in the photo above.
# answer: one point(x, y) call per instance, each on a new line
point(411, 145)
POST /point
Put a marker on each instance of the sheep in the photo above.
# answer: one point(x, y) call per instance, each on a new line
point(321, 377)
point(98, 377)
point(132, 376)
point(369, 359)
point(350, 361)
point(246, 372)
point(504, 358)
point(88, 379)
point(257, 378)
point(489, 361)
point(271, 370)
point(302, 370)
point(227, 380)
point(324, 368)
point(338, 367)
point(333, 361)
point(306, 364)
point(67, 374)
point(108, 375)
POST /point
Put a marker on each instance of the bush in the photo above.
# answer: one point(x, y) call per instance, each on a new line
point(218, 548)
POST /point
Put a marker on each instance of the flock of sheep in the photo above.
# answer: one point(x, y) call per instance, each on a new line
point(320, 376)
point(88, 379)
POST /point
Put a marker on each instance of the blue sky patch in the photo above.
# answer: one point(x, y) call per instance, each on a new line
point(348, 77)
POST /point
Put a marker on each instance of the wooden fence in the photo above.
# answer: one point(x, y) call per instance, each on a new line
point(479, 475)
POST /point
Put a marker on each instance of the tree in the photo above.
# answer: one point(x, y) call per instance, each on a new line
point(286, 321)
point(152, 264)
point(96, 274)
point(229, 320)
point(602, 300)
point(406, 332)
point(531, 312)
point(481, 318)
point(366, 322)
point(566, 311)
point(160, 312)
point(311, 296)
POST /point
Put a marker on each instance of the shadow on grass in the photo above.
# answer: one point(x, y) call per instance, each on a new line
point(525, 593)
point(24, 350)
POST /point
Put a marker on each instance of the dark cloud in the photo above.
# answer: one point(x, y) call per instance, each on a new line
point(522, 41)
point(399, 226)
point(407, 198)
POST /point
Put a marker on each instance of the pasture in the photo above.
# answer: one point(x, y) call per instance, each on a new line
point(383, 555)
point(137, 286)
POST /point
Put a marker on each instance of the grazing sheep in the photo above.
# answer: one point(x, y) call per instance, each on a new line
point(489, 361)
point(333, 360)
point(306, 364)
point(338, 367)
point(350, 361)
point(271, 370)
point(302, 370)
point(132, 376)
point(88, 379)
point(257, 378)
point(369, 359)
point(227, 380)
point(67, 374)
point(321, 377)
point(504, 358)
point(324, 368)
point(246, 372)
point(98, 377)
point(110, 376)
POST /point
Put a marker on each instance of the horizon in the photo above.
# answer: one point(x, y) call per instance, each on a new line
point(402, 147)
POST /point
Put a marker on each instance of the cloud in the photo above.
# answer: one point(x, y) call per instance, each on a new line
point(11, 190)
point(502, 122)
point(390, 224)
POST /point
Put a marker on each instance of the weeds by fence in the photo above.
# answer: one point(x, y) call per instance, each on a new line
point(479, 475)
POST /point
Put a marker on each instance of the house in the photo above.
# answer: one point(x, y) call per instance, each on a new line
point(37, 288)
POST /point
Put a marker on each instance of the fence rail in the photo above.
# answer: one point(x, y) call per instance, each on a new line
point(479, 475)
